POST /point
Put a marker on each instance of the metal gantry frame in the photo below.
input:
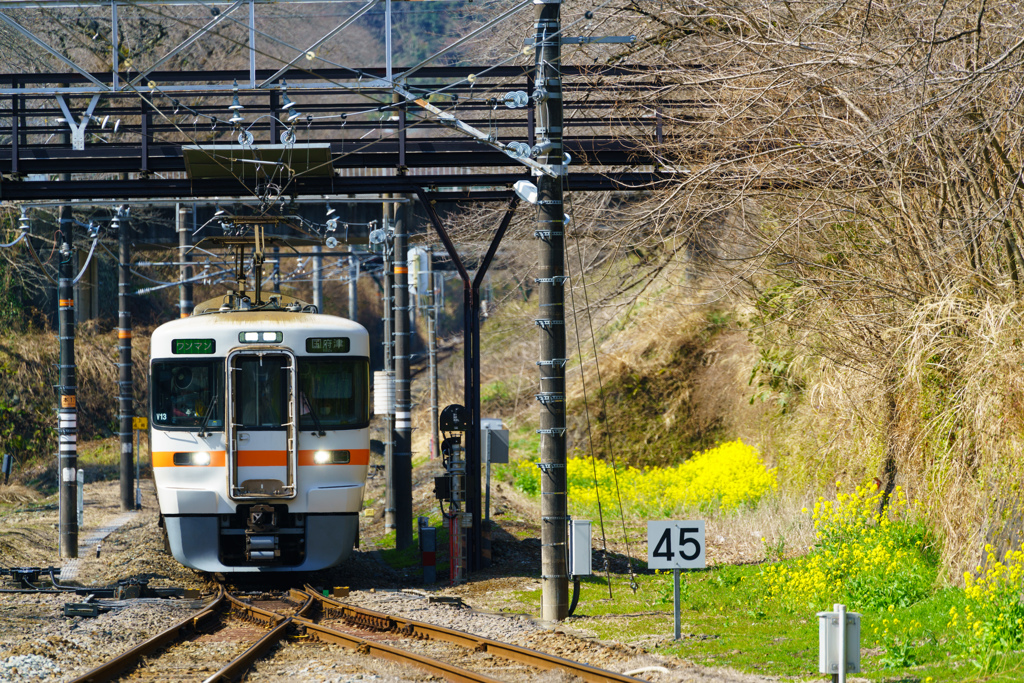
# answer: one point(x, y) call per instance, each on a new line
point(444, 148)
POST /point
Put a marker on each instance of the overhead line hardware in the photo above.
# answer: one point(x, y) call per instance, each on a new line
point(484, 138)
point(587, 40)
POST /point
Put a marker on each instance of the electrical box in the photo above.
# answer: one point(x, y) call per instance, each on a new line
point(579, 553)
point(495, 445)
point(443, 487)
point(419, 263)
point(828, 642)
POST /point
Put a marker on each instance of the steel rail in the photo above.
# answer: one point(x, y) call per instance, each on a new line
point(236, 668)
point(374, 649)
point(409, 627)
point(280, 625)
point(113, 668)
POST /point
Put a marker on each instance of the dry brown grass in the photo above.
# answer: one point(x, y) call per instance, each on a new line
point(29, 374)
point(17, 494)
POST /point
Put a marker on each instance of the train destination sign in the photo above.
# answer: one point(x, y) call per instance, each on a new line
point(327, 345)
point(196, 346)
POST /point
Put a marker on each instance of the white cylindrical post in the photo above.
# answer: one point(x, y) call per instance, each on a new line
point(81, 498)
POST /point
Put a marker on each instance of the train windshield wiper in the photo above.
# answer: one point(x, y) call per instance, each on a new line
point(312, 413)
point(206, 418)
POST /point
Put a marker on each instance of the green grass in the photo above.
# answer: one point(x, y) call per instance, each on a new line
point(727, 621)
point(410, 558)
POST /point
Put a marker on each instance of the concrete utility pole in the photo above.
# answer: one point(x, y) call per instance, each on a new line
point(124, 362)
point(318, 279)
point(551, 292)
point(67, 421)
point(389, 367)
point(402, 457)
point(435, 436)
point(185, 304)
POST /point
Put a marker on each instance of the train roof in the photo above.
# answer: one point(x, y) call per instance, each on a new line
point(224, 321)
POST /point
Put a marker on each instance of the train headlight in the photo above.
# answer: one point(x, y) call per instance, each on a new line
point(200, 459)
point(260, 337)
point(331, 457)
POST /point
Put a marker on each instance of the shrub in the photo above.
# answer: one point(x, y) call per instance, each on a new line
point(861, 557)
point(993, 618)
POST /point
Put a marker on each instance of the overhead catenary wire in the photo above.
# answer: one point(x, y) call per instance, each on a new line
point(604, 405)
point(586, 412)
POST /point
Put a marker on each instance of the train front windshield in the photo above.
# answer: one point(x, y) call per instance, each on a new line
point(188, 394)
point(336, 390)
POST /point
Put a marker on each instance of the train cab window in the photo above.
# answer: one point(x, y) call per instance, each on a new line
point(336, 389)
point(261, 391)
point(188, 394)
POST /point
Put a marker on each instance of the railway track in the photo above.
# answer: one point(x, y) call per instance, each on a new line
point(232, 634)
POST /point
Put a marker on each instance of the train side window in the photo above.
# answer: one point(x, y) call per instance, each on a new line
point(336, 388)
point(186, 394)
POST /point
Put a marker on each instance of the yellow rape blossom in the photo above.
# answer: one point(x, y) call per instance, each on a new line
point(723, 478)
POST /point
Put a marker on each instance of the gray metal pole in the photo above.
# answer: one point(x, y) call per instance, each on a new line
point(435, 435)
point(403, 406)
point(678, 607)
point(551, 292)
point(185, 304)
point(276, 274)
point(67, 420)
point(124, 362)
point(318, 279)
point(353, 288)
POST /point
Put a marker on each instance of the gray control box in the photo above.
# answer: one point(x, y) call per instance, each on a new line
point(579, 548)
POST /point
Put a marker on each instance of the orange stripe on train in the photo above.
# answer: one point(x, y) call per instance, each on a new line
point(357, 456)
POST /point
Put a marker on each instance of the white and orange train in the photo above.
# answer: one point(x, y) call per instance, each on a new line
point(259, 428)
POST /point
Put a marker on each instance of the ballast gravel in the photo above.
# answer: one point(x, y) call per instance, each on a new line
point(38, 643)
point(28, 668)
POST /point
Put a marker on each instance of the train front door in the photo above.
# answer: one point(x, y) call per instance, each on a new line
point(261, 438)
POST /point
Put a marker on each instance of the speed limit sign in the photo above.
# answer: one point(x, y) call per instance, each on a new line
point(676, 545)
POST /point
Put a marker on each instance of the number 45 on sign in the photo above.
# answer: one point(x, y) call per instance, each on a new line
point(676, 545)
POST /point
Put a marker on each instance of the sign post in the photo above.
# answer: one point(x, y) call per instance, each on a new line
point(676, 545)
point(139, 424)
